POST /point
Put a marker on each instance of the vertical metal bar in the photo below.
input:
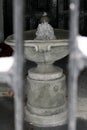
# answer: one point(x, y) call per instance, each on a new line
point(73, 65)
point(1, 21)
point(19, 60)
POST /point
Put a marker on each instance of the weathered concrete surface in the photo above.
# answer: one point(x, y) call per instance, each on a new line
point(46, 105)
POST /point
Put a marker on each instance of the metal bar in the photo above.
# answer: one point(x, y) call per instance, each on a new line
point(73, 65)
point(19, 62)
point(1, 21)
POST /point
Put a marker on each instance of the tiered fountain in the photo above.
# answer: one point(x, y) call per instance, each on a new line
point(46, 105)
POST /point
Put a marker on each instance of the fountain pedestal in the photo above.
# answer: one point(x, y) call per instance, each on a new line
point(46, 104)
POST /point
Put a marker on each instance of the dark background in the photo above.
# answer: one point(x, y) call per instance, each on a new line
point(35, 8)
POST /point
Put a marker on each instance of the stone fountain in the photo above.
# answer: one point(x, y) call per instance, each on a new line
point(46, 105)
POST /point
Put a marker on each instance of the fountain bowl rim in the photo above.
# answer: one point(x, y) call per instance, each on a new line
point(10, 41)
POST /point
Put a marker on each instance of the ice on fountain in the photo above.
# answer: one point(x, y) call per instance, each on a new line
point(45, 32)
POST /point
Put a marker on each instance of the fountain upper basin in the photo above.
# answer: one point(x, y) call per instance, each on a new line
point(43, 50)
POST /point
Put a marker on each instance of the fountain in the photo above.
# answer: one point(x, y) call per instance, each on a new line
point(46, 105)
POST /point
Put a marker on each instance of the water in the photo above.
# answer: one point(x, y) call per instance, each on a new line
point(45, 32)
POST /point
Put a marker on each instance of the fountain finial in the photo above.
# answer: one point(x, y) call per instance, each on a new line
point(44, 18)
point(45, 14)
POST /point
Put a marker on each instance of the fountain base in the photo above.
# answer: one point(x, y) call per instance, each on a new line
point(46, 121)
point(46, 105)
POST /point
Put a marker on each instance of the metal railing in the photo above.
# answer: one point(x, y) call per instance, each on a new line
point(11, 69)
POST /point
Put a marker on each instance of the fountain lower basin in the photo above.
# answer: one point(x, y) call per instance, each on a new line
point(43, 50)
